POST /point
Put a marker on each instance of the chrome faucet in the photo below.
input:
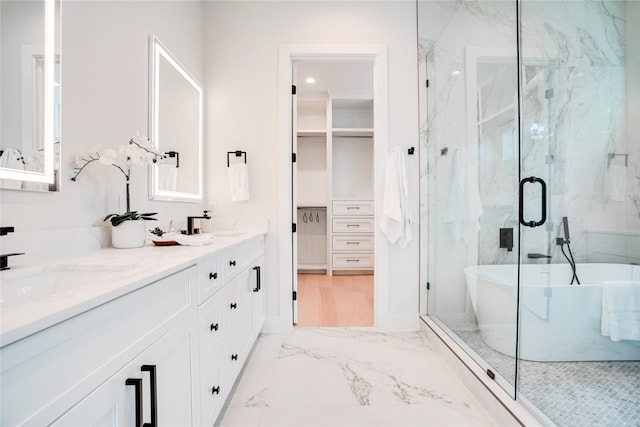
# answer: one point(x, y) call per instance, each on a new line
point(4, 258)
point(190, 228)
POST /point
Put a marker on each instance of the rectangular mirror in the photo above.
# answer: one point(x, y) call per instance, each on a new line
point(30, 95)
point(175, 128)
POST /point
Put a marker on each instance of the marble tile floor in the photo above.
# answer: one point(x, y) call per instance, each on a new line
point(350, 377)
point(572, 394)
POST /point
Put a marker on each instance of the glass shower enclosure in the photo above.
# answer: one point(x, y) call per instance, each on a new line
point(530, 198)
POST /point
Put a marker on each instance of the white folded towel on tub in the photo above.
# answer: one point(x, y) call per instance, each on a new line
point(621, 310)
point(239, 182)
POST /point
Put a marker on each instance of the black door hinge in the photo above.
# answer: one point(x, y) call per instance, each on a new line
point(428, 285)
point(427, 83)
point(295, 296)
point(293, 89)
point(491, 374)
point(293, 157)
point(294, 227)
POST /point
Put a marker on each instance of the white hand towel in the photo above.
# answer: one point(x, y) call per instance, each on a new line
point(615, 180)
point(464, 206)
point(396, 215)
point(167, 177)
point(239, 182)
point(620, 310)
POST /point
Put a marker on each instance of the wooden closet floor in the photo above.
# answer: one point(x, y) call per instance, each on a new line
point(335, 300)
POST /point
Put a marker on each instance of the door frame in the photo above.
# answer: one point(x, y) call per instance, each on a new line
point(287, 54)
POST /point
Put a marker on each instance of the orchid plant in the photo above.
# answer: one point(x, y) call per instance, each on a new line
point(137, 152)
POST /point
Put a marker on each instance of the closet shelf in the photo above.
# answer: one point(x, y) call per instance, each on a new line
point(352, 131)
point(312, 132)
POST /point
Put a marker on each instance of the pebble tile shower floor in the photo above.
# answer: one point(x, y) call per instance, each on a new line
point(572, 393)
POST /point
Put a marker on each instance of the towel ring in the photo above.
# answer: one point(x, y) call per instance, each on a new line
point(237, 153)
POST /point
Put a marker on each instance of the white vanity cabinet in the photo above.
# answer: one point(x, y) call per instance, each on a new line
point(229, 323)
point(77, 372)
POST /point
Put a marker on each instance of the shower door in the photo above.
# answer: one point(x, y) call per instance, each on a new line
point(469, 116)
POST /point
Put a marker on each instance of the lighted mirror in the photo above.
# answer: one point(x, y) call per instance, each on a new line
point(176, 128)
point(29, 95)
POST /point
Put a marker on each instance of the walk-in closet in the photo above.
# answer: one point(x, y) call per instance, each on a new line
point(334, 192)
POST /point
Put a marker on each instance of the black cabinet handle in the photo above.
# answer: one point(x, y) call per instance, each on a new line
point(215, 390)
point(214, 327)
point(154, 394)
point(234, 357)
point(213, 276)
point(232, 263)
point(543, 218)
point(257, 288)
point(233, 305)
point(137, 384)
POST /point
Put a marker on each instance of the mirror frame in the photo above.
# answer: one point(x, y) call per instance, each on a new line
point(47, 176)
point(157, 51)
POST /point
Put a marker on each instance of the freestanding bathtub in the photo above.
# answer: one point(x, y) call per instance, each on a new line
point(559, 321)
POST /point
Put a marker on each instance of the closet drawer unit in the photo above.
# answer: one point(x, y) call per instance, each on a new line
point(352, 225)
point(353, 207)
point(352, 242)
point(355, 261)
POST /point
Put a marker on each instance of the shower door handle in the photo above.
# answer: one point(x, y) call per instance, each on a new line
point(543, 219)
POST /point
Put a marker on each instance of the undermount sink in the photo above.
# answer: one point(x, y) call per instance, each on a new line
point(227, 233)
point(20, 287)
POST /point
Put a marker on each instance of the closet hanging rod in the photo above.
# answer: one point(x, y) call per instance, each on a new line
point(237, 153)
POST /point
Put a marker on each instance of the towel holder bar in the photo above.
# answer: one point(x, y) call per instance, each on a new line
point(237, 153)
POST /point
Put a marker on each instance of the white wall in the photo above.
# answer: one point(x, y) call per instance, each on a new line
point(104, 102)
point(242, 41)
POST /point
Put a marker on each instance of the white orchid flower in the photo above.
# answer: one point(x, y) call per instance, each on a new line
point(108, 156)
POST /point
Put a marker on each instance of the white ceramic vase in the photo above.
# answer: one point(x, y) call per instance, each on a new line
point(129, 234)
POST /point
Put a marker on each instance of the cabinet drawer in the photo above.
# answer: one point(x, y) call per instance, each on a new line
point(353, 260)
point(212, 391)
point(210, 277)
point(353, 207)
point(352, 242)
point(210, 327)
point(238, 257)
point(352, 225)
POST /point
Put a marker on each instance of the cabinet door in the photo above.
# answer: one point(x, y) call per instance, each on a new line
point(115, 403)
point(110, 405)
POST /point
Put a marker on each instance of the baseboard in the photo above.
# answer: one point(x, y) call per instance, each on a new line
point(397, 322)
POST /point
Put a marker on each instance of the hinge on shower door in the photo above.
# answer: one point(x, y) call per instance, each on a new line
point(295, 296)
point(428, 285)
point(293, 89)
point(427, 83)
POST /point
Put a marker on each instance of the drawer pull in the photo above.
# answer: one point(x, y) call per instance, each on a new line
point(353, 260)
point(234, 357)
point(213, 276)
point(232, 263)
point(137, 384)
point(233, 306)
point(353, 207)
point(214, 327)
point(353, 225)
point(153, 385)
point(215, 390)
point(353, 243)
point(257, 269)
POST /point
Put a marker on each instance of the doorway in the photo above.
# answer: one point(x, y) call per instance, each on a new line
point(333, 192)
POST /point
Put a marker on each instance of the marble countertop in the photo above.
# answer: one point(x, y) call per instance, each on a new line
point(69, 286)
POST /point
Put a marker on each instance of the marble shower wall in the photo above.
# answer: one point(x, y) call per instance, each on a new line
point(579, 90)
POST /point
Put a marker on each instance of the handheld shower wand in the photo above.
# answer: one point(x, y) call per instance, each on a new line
point(567, 241)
